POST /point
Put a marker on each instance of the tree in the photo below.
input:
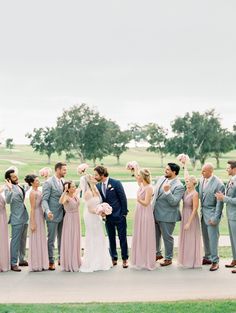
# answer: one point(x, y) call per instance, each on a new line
point(9, 143)
point(156, 136)
point(195, 134)
point(137, 133)
point(223, 143)
point(43, 140)
point(81, 132)
point(118, 140)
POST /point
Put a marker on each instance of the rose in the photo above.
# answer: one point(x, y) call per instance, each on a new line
point(103, 208)
point(183, 158)
point(14, 168)
point(131, 166)
point(82, 168)
point(45, 172)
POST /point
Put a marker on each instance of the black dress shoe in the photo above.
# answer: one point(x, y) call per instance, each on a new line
point(23, 263)
point(114, 262)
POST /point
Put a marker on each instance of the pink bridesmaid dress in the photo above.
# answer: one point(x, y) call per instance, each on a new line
point(38, 251)
point(70, 240)
point(4, 239)
point(190, 247)
point(143, 250)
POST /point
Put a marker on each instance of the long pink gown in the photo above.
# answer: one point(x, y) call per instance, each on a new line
point(143, 250)
point(38, 250)
point(70, 241)
point(190, 247)
point(4, 239)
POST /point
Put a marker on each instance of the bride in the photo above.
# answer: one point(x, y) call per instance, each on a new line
point(96, 253)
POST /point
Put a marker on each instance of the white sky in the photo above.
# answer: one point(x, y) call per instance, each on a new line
point(136, 61)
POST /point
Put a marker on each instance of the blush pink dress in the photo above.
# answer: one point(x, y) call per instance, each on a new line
point(143, 250)
point(38, 250)
point(70, 240)
point(190, 247)
point(4, 239)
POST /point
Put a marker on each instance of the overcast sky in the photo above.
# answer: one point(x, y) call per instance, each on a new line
point(136, 61)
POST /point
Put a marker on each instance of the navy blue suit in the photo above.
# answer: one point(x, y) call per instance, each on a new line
point(116, 198)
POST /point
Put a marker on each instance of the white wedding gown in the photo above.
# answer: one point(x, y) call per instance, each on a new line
point(96, 254)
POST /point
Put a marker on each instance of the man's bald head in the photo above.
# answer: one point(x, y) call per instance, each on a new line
point(207, 170)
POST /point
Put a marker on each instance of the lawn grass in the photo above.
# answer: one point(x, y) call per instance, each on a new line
point(221, 306)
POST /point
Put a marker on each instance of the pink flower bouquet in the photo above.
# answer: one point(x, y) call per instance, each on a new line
point(131, 166)
point(45, 172)
point(183, 158)
point(82, 168)
point(103, 208)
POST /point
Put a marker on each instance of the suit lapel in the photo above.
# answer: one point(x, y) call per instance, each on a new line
point(158, 190)
point(56, 184)
point(20, 191)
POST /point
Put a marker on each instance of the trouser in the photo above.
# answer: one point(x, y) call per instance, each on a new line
point(54, 230)
point(232, 234)
point(18, 243)
point(210, 235)
point(165, 230)
point(121, 227)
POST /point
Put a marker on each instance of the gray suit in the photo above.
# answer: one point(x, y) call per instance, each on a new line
point(166, 214)
point(230, 200)
point(52, 191)
point(211, 209)
point(19, 222)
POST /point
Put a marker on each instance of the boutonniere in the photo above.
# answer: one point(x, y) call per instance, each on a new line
point(110, 187)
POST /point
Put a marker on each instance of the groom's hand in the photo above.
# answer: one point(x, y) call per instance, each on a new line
point(50, 216)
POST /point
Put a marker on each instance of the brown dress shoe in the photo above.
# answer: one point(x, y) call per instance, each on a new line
point(51, 267)
point(23, 263)
point(125, 264)
point(234, 271)
point(114, 262)
point(15, 268)
point(214, 267)
point(206, 262)
point(159, 257)
point(232, 264)
point(166, 262)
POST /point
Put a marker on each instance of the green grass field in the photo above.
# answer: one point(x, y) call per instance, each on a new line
point(31, 162)
point(226, 306)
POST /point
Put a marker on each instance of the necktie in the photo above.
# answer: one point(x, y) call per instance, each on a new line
point(104, 189)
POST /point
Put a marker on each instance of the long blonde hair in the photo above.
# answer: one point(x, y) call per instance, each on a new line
point(92, 185)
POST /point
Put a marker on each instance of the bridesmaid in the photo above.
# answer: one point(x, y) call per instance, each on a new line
point(70, 241)
point(143, 250)
point(190, 251)
point(38, 252)
point(4, 240)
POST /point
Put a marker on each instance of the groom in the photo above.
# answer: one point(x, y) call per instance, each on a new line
point(112, 192)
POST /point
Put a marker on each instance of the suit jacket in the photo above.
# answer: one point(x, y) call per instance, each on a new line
point(211, 209)
point(115, 197)
point(166, 206)
point(50, 199)
point(18, 211)
point(230, 199)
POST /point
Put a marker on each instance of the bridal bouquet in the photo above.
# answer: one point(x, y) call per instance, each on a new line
point(45, 172)
point(81, 169)
point(14, 168)
point(103, 208)
point(131, 166)
point(183, 158)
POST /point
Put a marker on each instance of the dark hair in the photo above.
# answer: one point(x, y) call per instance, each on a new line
point(29, 179)
point(102, 171)
point(8, 173)
point(174, 167)
point(59, 165)
point(232, 164)
point(69, 182)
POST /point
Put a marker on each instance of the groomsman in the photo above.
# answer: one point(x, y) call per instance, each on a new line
point(167, 196)
point(15, 196)
point(230, 199)
point(211, 210)
point(54, 212)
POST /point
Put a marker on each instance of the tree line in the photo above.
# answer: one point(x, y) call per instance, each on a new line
point(81, 132)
